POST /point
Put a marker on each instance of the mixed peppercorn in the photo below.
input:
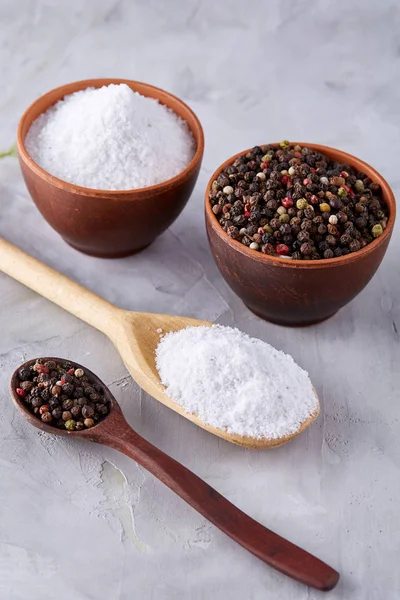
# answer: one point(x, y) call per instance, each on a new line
point(61, 395)
point(293, 202)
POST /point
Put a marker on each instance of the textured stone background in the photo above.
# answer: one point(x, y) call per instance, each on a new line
point(82, 522)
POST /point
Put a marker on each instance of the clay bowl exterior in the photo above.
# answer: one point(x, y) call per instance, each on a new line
point(289, 292)
point(109, 223)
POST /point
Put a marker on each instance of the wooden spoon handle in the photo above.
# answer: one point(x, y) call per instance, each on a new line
point(55, 287)
point(265, 544)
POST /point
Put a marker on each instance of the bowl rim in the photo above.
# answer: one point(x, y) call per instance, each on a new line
point(350, 159)
point(74, 86)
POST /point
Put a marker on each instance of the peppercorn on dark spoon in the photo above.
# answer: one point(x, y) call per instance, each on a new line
point(135, 335)
point(114, 431)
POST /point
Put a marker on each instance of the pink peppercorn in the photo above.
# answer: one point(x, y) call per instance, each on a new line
point(247, 214)
point(287, 202)
point(261, 230)
point(306, 181)
point(20, 392)
point(264, 165)
point(285, 179)
point(344, 174)
point(314, 199)
point(282, 249)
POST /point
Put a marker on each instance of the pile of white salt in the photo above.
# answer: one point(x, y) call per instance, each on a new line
point(234, 382)
point(110, 138)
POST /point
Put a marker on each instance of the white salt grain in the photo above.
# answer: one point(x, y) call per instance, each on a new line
point(110, 138)
point(235, 382)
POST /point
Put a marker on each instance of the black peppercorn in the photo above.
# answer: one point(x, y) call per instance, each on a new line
point(27, 386)
point(102, 409)
point(331, 240)
point(37, 402)
point(309, 213)
point(76, 411)
point(87, 412)
point(345, 239)
point(68, 388)
point(67, 404)
point(45, 394)
point(354, 246)
point(24, 373)
point(303, 236)
point(306, 249)
point(233, 232)
point(57, 413)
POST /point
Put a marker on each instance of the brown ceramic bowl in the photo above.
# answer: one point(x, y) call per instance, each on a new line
point(290, 292)
point(109, 223)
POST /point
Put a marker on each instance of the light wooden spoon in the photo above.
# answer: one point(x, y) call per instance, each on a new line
point(134, 334)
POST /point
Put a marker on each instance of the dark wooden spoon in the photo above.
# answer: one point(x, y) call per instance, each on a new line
point(115, 432)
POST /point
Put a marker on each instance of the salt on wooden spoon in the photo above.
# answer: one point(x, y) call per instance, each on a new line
point(135, 335)
point(114, 431)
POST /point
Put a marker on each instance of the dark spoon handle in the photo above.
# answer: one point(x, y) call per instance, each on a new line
point(257, 539)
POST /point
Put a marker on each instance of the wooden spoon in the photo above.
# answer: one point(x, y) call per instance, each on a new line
point(115, 432)
point(135, 335)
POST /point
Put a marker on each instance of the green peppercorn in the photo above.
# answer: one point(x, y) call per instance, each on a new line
point(377, 230)
point(359, 185)
point(70, 424)
point(342, 192)
point(302, 204)
point(267, 229)
point(284, 218)
point(284, 144)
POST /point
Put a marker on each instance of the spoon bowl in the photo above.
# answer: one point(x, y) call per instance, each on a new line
point(114, 431)
point(135, 335)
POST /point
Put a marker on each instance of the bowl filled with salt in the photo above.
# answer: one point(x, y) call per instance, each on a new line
point(110, 163)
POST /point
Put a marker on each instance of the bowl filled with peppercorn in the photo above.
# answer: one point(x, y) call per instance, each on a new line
point(298, 230)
